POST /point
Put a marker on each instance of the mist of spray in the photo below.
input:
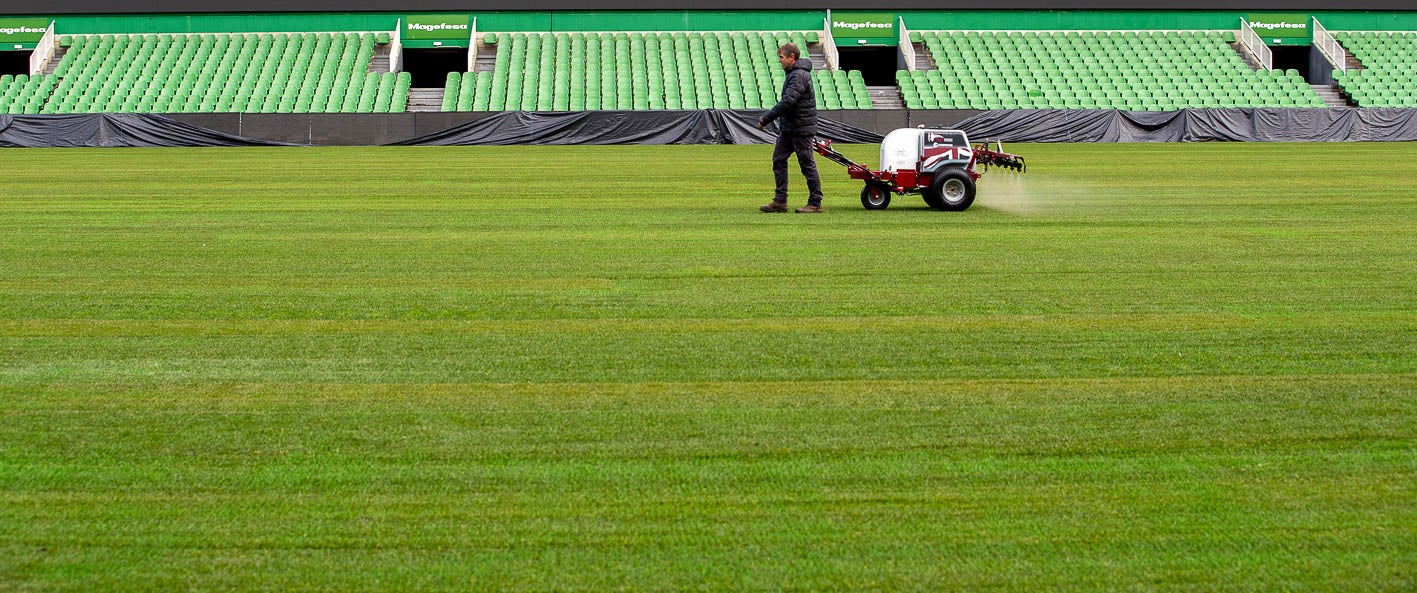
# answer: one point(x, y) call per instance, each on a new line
point(1028, 193)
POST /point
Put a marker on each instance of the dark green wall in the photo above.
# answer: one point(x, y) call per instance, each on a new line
point(712, 21)
point(486, 21)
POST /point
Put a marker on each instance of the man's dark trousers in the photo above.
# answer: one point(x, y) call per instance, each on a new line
point(802, 145)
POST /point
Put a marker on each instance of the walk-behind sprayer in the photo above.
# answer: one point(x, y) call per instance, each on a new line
point(940, 165)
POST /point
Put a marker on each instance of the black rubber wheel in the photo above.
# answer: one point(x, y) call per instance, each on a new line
point(952, 190)
point(875, 197)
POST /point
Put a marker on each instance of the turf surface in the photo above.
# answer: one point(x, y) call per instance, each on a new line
point(1136, 367)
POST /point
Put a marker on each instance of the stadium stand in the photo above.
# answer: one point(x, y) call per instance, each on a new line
point(185, 73)
point(1134, 70)
point(1388, 73)
point(573, 71)
point(641, 71)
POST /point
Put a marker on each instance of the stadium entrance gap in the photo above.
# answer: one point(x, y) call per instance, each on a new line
point(1296, 57)
point(14, 62)
point(876, 63)
point(430, 67)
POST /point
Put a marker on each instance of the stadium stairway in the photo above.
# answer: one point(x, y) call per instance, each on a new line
point(1244, 54)
point(379, 62)
point(1330, 95)
point(923, 59)
point(425, 99)
point(885, 97)
point(54, 62)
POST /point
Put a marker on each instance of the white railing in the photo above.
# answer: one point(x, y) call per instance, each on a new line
point(1258, 49)
point(829, 44)
point(907, 49)
point(472, 45)
point(1329, 47)
point(396, 47)
point(44, 52)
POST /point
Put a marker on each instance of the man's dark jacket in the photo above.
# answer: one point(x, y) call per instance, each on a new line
point(798, 107)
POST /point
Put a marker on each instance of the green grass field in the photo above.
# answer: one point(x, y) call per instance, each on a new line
point(1134, 368)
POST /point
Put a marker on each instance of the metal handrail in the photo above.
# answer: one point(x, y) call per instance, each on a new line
point(907, 49)
point(829, 51)
point(472, 45)
point(43, 52)
point(1258, 49)
point(1331, 49)
point(396, 47)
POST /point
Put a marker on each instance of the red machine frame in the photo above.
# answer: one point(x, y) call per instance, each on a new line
point(911, 180)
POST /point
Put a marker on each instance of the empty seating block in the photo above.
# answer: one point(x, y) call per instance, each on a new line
point(1133, 70)
point(1388, 77)
point(252, 73)
point(24, 94)
point(639, 71)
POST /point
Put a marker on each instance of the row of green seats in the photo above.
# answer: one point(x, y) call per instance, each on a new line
point(73, 40)
point(1381, 99)
point(1079, 36)
point(985, 105)
point(1152, 103)
point(779, 37)
point(1196, 88)
point(1374, 37)
point(385, 92)
point(1387, 76)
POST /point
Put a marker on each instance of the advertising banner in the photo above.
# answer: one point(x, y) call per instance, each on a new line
point(1282, 29)
point(436, 26)
point(864, 28)
point(22, 33)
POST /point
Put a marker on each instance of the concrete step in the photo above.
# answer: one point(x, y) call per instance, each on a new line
point(425, 99)
point(486, 61)
point(1244, 52)
point(885, 97)
point(817, 53)
point(923, 59)
point(1352, 62)
point(380, 60)
point(1330, 95)
point(54, 63)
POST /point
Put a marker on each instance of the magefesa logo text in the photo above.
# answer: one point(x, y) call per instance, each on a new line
point(859, 26)
point(1278, 26)
point(437, 27)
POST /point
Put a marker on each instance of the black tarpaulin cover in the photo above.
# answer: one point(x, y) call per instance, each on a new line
point(708, 126)
point(108, 130)
point(740, 127)
point(1241, 124)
